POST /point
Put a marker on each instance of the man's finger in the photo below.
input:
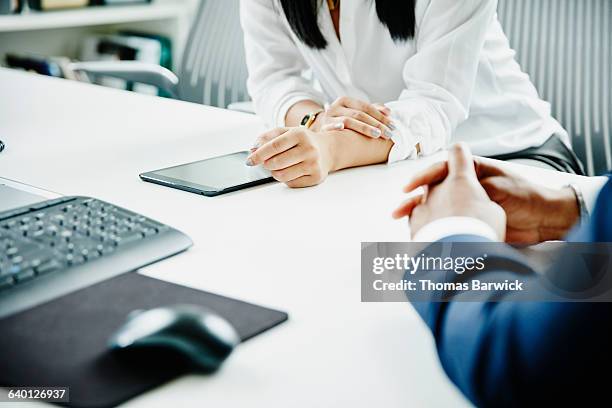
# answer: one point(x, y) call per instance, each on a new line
point(460, 161)
point(437, 172)
point(273, 147)
point(522, 237)
point(434, 174)
point(405, 209)
point(497, 188)
point(487, 168)
point(418, 219)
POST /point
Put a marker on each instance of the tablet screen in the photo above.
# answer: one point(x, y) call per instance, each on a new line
point(219, 173)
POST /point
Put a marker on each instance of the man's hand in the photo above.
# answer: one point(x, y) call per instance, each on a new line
point(457, 194)
point(534, 213)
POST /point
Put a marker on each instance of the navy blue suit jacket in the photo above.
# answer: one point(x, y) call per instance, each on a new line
point(528, 353)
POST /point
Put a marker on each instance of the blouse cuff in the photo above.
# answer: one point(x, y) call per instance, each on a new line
point(412, 128)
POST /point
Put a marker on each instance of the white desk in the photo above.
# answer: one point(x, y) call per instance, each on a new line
point(296, 250)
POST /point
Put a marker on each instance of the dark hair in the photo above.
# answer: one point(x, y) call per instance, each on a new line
point(397, 15)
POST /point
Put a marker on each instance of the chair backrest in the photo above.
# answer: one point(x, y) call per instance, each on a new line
point(213, 70)
point(566, 47)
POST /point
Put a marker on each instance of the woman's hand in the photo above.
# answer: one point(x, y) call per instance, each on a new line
point(368, 119)
point(297, 157)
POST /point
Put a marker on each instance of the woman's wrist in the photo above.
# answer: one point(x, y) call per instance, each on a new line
point(346, 148)
point(316, 125)
point(327, 145)
point(296, 113)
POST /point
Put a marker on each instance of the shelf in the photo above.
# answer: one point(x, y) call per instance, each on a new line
point(89, 16)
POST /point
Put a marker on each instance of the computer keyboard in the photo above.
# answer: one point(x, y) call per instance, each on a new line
point(46, 242)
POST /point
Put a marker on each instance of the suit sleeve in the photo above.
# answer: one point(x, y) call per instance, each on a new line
point(509, 353)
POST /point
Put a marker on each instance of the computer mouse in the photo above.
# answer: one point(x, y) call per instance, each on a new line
point(186, 333)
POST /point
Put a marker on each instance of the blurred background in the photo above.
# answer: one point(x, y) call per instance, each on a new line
point(139, 45)
point(193, 50)
point(42, 35)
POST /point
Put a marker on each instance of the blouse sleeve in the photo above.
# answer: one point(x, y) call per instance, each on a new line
point(274, 62)
point(440, 77)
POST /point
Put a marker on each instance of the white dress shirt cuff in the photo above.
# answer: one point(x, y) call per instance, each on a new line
point(590, 191)
point(449, 226)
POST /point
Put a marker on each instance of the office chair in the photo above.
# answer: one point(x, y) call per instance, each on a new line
point(566, 47)
point(213, 70)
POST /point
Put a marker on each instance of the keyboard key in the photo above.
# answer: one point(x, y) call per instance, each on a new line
point(9, 224)
point(35, 262)
point(129, 237)
point(6, 282)
point(14, 269)
point(24, 276)
point(149, 231)
point(48, 266)
point(26, 248)
point(108, 249)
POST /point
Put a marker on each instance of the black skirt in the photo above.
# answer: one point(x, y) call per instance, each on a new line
point(553, 153)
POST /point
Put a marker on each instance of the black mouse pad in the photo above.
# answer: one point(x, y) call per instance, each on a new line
point(64, 342)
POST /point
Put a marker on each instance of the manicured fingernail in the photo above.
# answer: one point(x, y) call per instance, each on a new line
point(392, 126)
point(338, 126)
point(249, 161)
point(376, 132)
point(383, 109)
point(386, 135)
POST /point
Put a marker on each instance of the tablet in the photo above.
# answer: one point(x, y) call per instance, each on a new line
point(211, 177)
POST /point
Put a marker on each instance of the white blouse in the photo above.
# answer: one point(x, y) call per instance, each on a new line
point(457, 80)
